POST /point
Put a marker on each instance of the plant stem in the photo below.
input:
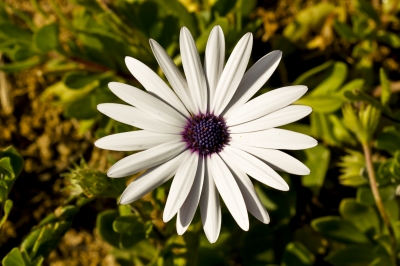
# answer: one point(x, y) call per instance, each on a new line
point(378, 200)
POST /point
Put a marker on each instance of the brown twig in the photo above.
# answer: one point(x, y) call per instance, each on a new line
point(378, 200)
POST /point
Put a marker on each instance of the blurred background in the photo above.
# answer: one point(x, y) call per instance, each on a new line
point(57, 206)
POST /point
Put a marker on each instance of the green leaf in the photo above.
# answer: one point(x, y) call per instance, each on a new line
point(389, 38)
point(78, 80)
point(357, 95)
point(365, 196)
point(11, 31)
point(81, 109)
point(61, 94)
point(21, 65)
point(7, 209)
point(104, 223)
point(366, 8)
point(365, 218)
point(335, 78)
point(318, 159)
point(46, 38)
point(344, 31)
point(125, 224)
point(297, 254)
point(336, 228)
point(385, 85)
point(321, 104)
point(14, 258)
point(388, 140)
point(303, 78)
point(351, 256)
point(355, 84)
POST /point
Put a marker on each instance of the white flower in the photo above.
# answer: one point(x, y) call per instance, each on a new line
point(208, 134)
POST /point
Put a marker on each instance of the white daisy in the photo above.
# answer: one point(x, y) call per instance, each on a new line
point(206, 132)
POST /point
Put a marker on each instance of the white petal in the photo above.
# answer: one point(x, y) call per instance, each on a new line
point(253, 203)
point(210, 206)
point(214, 60)
point(154, 84)
point(232, 74)
point(275, 138)
point(152, 178)
point(133, 116)
point(135, 140)
point(254, 79)
point(265, 104)
point(147, 103)
point(173, 74)
point(193, 70)
point(181, 186)
point(229, 191)
point(255, 168)
point(277, 159)
point(284, 116)
point(188, 209)
point(146, 159)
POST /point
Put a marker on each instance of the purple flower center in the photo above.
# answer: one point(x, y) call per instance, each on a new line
point(206, 134)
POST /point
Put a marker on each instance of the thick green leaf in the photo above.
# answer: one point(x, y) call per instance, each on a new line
point(125, 224)
point(388, 140)
point(336, 228)
point(365, 196)
point(14, 258)
point(351, 256)
point(297, 254)
point(46, 38)
point(365, 218)
point(318, 159)
point(81, 109)
point(104, 223)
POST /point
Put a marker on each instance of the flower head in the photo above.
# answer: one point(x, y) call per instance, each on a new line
point(206, 132)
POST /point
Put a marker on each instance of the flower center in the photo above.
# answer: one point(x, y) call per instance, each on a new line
point(206, 133)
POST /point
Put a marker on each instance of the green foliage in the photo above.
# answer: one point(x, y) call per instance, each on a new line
point(347, 57)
